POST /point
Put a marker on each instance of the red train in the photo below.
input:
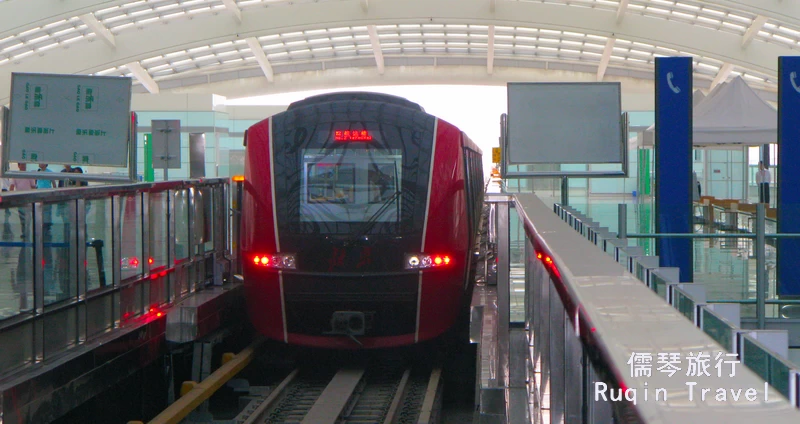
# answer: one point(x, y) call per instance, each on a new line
point(360, 217)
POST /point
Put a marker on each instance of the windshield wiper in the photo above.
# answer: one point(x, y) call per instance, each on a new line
point(369, 223)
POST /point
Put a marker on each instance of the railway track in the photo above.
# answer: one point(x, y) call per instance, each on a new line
point(380, 394)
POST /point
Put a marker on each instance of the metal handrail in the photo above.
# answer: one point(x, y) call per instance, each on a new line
point(19, 198)
point(759, 236)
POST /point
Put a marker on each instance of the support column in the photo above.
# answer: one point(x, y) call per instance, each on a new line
point(761, 267)
point(673, 162)
point(764, 154)
point(788, 175)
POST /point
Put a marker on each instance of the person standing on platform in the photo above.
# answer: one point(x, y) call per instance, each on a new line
point(44, 183)
point(22, 277)
point(79, 170)
point(763, 178)
point(67, 182)
point(5, 185)
point(23, 184)
point(697, 192)
point(47, 211)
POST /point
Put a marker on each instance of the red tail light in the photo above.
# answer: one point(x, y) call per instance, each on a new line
point(424, 260)
point(277, 261)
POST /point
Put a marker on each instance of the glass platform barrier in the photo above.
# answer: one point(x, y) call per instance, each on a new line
point(76, 263)
point(733, 324)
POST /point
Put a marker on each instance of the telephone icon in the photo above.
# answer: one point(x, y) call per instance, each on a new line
point(793, 78)
point(675, 89)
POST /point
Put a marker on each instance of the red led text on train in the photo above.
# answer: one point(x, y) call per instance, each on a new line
point(352, 135)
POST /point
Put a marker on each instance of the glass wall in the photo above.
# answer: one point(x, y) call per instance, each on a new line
point(16, 262)
point(87, 269)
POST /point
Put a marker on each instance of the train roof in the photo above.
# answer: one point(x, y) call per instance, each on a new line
point(357, 96)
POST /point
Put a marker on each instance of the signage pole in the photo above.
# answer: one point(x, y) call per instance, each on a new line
point(166, 157)
point(132, 137)
point(148, 159)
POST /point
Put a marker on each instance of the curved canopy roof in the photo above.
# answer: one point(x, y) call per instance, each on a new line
point(238, 47)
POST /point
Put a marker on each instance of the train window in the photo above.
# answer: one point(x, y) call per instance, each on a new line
point(330, 182)
point(351, 185)
point(382, 181)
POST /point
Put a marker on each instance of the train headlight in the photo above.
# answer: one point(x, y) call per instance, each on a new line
point(276, 261)
point(424, 261)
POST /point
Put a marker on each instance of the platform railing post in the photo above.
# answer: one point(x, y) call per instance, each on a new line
point(118, 204)
point(38, 256)
point(171, 293)
point(503, 286)
point(622, 221)
point(761, 277)
point(237, 222)
point(141, 306)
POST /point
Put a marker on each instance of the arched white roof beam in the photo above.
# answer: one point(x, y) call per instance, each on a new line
point(623, 7)
point(722, 75)
point(234, 9)
point(20, 16)
point(601, 69)
point(781, 10)
point(376, 47)
point(99, 29)
point(157, 39)
point(490, 51)
point(754, 28)
point(261, 58)
point(140, 74)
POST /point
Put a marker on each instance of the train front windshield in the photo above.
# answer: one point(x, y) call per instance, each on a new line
point(352, 178)
point(348, 185)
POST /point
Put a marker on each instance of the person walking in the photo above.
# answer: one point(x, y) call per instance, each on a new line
point(763, 178)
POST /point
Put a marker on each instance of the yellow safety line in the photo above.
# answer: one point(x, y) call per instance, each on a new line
point(429, 401)
point(201, 392)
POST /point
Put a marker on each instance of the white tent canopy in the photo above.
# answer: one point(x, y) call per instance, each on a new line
point(731, 114)
point(697, 97)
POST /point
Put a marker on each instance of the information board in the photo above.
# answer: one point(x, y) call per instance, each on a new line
point(564, 123)
point(166, 143)
point(69, 119)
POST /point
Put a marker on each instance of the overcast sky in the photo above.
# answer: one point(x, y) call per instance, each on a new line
point(474, 109)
